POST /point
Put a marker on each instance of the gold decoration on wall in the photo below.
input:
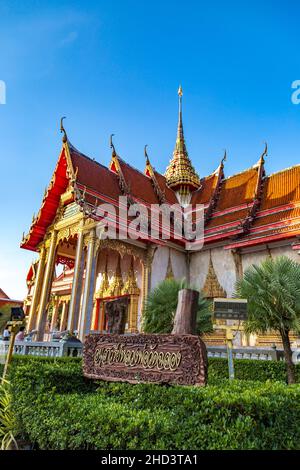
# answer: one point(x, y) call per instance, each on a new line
point(124, 248)
point(169, 273)
point(67, 232)
point(116, 284)
point(212, 288)
point(130, 286)
point(104, 286)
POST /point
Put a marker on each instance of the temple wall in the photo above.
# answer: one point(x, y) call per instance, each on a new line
point(179, 264)
point(258, 257)
point(160, 265)
point(224, 267)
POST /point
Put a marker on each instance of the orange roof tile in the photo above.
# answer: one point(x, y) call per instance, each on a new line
point(140, 185)
point(281, 188)
point(95, 176)
point(234, 216)
point(169, 193)
point(276, 217)
point(206, 191)
point(238, 189)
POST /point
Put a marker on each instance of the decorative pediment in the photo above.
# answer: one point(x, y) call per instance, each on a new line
point(116, 284)
point(212, 288)
point(130, 286)
point(169, 273)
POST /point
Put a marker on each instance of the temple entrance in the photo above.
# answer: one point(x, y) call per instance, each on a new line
point(112, 314)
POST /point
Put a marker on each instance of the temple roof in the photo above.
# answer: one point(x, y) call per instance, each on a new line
point(245, 209)
point(5, 299)
point(3, 295)
point(279, 212)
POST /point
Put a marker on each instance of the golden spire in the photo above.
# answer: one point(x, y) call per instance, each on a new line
point(169, 273)
point(212, 287)
point(180, 174)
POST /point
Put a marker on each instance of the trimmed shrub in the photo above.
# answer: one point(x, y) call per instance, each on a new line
point(56, 408)
point(249, 369)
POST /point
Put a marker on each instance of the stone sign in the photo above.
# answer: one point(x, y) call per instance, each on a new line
point(174, 359)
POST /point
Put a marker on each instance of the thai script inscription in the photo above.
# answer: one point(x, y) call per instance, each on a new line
point(146, 358)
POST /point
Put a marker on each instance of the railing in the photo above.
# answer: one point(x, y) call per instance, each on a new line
point(263, 354)
point(44, 348)
point(74, 349)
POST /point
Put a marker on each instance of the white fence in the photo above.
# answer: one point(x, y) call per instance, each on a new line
point(74, 349)
point(44, 348)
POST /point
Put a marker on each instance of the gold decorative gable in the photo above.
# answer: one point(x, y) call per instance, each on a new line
point(116, 284)
point(130, 286)
point(169, 273)
point(212, 288)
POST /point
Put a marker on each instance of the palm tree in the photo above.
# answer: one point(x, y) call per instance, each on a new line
point(273, 293)
point(160, 308)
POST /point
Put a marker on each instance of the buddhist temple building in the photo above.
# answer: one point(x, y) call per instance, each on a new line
point(6, 300)
point(247, 217)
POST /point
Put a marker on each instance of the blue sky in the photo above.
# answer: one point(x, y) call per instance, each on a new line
point(114, 67)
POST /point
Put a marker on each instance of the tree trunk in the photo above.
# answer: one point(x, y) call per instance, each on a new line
point(186, 312)
point(290, 367)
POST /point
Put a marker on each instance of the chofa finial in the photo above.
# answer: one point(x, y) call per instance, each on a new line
point(62, 129)
point(265, 153)
point(145, 153)
point(224, 157)
point(112, 145)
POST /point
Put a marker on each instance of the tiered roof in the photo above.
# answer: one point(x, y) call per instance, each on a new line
point(278, 216)
point(245, 209)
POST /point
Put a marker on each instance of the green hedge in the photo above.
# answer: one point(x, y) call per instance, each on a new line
point(56, 408)
point(245, 369)
point(249, 369)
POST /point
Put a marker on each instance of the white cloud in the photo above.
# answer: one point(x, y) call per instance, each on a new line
point(69, 39)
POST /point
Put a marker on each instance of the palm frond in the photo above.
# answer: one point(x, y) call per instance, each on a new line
point(161, 304)
point(273, 293)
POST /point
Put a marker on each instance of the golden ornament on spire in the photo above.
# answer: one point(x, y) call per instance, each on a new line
point(180, 174)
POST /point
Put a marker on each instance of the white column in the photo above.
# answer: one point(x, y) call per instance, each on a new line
point(64, 313)
point(37, 290)
point(89, 286)
point(76, 285)
point(42, 314)
point(54, 314)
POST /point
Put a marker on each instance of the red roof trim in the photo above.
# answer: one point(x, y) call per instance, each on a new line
point(49, 205)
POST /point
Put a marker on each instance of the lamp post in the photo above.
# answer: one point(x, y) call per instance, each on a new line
point(230, 309)
point(17, 319)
